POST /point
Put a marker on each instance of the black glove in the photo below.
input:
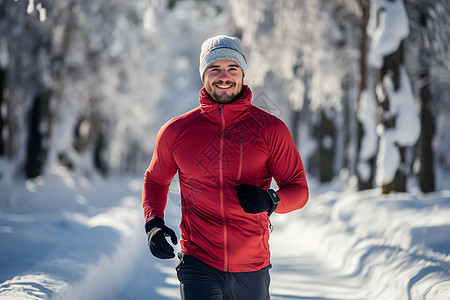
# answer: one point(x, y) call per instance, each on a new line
point(256, 200)
point(157, 242)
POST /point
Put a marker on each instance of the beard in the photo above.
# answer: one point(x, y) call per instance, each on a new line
point(222, 97)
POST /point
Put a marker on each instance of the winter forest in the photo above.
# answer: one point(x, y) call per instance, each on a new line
point(363, 85)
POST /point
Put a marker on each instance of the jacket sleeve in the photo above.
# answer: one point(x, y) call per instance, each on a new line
point(286, 168)
point(159, 174)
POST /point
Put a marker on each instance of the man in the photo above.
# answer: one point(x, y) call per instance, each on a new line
point(226, 153)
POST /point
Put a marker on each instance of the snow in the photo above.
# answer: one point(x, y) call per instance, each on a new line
point(402, 103)
point(388, 158)
point(42, 12)
point(388, 26)
point(367, 116)
point(74, 238)
point(40, 9)
point(407, 126)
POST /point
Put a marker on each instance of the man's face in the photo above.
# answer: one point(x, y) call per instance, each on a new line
point(223, 81)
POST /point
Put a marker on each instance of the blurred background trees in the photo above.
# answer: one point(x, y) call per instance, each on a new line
point(363, 85)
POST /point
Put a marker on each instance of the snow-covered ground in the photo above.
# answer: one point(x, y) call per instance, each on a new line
point(64, 238)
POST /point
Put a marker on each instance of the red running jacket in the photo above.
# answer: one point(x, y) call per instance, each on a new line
point(215, 148)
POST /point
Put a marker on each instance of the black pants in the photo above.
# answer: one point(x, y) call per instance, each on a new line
point(199, 281)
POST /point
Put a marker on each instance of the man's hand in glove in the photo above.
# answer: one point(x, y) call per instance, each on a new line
point(156, 231)
point(256, 200)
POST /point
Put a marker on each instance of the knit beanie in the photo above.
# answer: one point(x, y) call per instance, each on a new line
point(221, 47)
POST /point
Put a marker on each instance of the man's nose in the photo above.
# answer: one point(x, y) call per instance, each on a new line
point(224, 74)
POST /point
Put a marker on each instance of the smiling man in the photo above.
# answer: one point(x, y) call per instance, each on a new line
point(223, 81)
point(226, 153)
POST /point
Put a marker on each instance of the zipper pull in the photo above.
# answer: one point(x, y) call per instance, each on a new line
point(270, 227)
point(220, 109)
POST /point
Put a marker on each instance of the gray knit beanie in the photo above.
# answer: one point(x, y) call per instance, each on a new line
point(221, 47)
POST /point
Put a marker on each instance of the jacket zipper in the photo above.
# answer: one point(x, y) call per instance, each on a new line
point(222, 206)
point(241, 151)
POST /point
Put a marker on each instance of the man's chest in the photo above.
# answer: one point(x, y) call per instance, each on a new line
point(234, 151)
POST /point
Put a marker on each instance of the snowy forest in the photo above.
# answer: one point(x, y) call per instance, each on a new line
point(363, 85)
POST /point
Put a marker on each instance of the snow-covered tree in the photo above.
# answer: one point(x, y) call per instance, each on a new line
point(300, 47)
point(399, 125)
point(428, 62)
point(87, 84)
point(366, 113)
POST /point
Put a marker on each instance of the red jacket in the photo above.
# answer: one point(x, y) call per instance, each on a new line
point(215, 148)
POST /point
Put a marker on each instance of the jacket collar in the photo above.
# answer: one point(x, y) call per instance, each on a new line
point(230, 111)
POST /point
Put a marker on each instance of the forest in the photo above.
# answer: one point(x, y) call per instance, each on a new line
point(363, 85)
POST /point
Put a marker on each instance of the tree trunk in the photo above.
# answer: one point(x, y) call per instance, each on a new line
point(398, 184)
point(295, 123)
point(326, 147)
point(364, 184)
point(426, 155)
point(2, 104)
point(6, 134)
point(426, 173)
point(391, 65)
point(38, 135)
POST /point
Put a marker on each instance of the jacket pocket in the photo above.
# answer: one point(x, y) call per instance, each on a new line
point(186, 225)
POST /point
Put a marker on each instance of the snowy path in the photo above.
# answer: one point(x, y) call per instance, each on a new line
point(296, 274)
point(354, 246)
point(299, 273)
